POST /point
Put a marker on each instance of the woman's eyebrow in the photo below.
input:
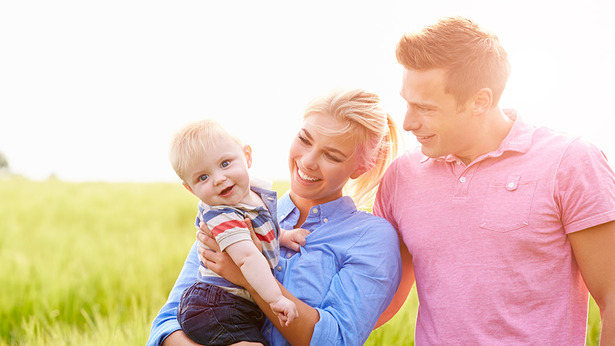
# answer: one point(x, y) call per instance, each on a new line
point(328, 148)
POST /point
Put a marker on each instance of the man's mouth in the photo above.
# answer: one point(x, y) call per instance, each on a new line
point(422, 139)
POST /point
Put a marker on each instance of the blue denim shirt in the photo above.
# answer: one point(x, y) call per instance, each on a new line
point(348, 271)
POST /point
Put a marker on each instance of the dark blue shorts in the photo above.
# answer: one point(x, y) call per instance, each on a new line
point(210, 315)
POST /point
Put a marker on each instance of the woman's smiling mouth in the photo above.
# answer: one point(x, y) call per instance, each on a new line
point(305, 177)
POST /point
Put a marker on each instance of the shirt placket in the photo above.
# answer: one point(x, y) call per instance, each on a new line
point(463, 179)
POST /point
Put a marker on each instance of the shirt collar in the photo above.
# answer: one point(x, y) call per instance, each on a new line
point(519, 139)
point(269, 198)
point(289, 214)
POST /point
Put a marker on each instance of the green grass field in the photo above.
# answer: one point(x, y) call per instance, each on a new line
point(91, 263)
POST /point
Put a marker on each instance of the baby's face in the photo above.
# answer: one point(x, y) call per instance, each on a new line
point(221, 176)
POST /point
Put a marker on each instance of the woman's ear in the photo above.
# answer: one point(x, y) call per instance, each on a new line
point(247, 150)
point(359, 171)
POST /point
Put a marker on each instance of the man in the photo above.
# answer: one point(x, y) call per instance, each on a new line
point(506, 225)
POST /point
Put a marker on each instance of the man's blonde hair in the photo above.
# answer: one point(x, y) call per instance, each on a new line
point(370, 127)
point(192, 142)
point(472, 57)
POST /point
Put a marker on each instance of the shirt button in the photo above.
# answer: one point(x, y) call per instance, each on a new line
point(315, 210)
point(458, 163)
point(279, 268)
point(325, 220)
point(268, 330)
point(511, 185)
point(463, 179)
point(288, 255)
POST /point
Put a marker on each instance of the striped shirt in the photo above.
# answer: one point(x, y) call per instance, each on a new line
point(228, 227)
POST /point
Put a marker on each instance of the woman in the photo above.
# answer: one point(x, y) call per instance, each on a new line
point(349, 269)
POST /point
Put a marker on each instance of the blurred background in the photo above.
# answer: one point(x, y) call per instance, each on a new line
point(93, 90)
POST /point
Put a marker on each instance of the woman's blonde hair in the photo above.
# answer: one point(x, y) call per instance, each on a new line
point(192, 142)
point(373, 131)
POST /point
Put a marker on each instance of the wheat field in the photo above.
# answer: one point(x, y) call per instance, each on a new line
point(91, 263)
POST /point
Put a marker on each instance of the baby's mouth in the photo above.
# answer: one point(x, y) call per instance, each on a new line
point(227, 190)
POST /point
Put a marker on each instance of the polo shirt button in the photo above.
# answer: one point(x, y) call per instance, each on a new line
point(458, 163)
point(462, 179)
point(511, 185)
point(325, 220)
point(315, 210)
point(278, 268)
point(289, 255)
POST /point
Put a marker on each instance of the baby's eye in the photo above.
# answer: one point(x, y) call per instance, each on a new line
point(225, 163)
point(203, 177)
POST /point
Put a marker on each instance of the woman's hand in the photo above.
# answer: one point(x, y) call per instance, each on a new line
point(220, 262)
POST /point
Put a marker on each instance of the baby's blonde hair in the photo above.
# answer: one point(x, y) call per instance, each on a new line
point(192, 142)
point(373, 131)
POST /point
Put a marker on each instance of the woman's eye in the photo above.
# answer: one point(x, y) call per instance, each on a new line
point(303, 140)
point(333, 158)
point(203, 177)
point(225, 163)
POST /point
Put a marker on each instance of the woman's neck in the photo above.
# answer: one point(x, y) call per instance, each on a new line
point(303, 205)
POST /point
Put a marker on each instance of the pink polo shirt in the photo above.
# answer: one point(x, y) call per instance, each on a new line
point(492, 261)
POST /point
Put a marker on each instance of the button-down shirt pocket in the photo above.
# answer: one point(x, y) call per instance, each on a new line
point(507, 204)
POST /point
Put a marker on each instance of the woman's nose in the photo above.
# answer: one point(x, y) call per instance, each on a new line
point(309, 160)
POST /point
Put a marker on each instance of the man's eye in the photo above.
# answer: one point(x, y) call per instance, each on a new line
point(203, 177)
point(225, 163)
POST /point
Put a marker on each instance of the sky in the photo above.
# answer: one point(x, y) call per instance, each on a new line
point(94, 90)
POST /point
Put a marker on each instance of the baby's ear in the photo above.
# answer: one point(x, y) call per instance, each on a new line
point(188, 188)
point(247, 150)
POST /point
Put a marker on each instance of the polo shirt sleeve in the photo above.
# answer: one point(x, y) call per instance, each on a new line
point(363, 287)
point(585, 187)
point(386, 194)
point(165, 322)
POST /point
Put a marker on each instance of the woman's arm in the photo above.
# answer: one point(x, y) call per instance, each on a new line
point(407, 280)
point(297, 333)
point(165, 328)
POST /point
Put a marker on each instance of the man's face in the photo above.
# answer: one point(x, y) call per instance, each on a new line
point(440, 125)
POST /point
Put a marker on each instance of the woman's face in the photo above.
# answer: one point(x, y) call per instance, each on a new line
point(320, 164)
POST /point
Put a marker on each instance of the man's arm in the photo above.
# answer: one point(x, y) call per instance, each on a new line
point(407, 280)
point(594, 250)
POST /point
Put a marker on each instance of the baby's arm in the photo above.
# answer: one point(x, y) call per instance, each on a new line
point(293, 239)
point(257, 272)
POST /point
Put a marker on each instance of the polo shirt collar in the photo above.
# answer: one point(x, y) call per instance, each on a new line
point(519, 139)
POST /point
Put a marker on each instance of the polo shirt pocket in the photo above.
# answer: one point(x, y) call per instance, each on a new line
point(507, 204)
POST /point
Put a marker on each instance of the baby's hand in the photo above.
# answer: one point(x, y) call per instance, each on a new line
point(286, 310)
point(294, 239)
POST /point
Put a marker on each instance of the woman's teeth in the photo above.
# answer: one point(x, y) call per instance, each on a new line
point(305, 176)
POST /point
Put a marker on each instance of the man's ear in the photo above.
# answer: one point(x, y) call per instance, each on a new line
point(482, 101)
point(247, 150)
point(188, 188)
